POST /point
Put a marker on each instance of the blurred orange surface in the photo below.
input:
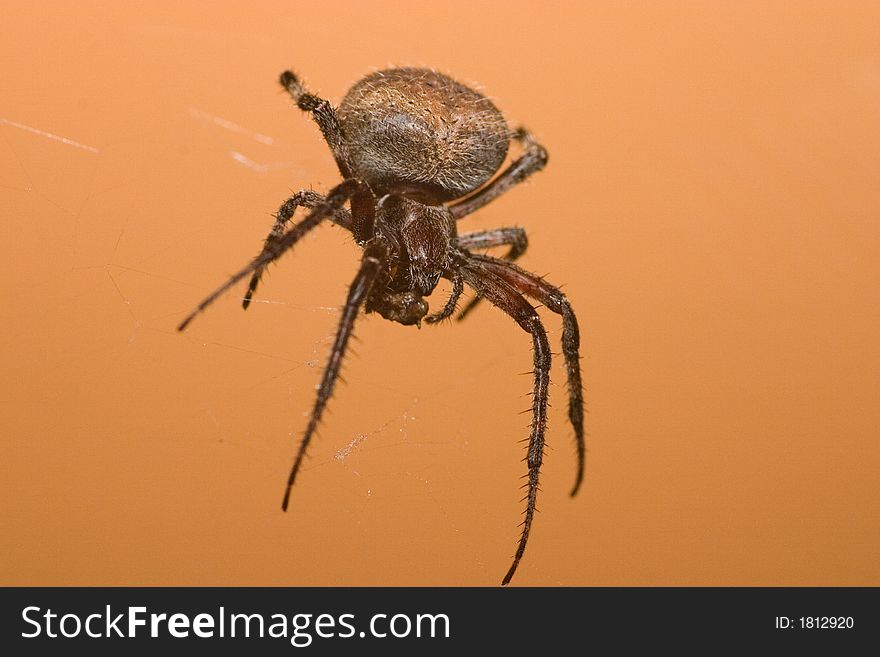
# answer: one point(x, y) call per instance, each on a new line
point(711, 206)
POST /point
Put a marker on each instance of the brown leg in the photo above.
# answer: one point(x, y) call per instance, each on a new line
point(451, 303)
point(274, 250)
point(555, 300)
point(303, 198)
point(501, 294)
point(323, 114)
point(515, 237)
point(371, 266)
point(534, 159)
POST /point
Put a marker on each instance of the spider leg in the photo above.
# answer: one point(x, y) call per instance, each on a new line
point(303, 198)
point(513, 236)
point(534, 159)
point(274, 250)
point(451, 303)
point(502, 294)
point(362, 203)
point(552, 297)
point(484, 239)
point(375, 256)
point(324, 115)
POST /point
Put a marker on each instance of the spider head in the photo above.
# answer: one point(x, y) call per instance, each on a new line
point(425, 234)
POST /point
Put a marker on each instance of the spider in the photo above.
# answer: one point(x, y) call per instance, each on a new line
point(416, 151)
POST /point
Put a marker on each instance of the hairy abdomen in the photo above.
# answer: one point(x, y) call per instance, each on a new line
point(420, 133)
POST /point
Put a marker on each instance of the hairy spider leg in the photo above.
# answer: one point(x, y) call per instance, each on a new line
point(303, 198)
point(533, 160)
point(504, 296)
point(553, 298)
point(374, 260)
point(451, 303)
point(335, 199)
point(324, 115)
point(515, 237)
point(362, 203)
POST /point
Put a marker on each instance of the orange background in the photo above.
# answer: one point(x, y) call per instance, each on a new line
point(711, 205)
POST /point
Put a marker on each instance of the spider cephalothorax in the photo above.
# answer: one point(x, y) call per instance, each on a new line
point(416, 150)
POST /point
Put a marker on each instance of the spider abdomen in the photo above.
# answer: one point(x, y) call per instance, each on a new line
point(420, 133)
